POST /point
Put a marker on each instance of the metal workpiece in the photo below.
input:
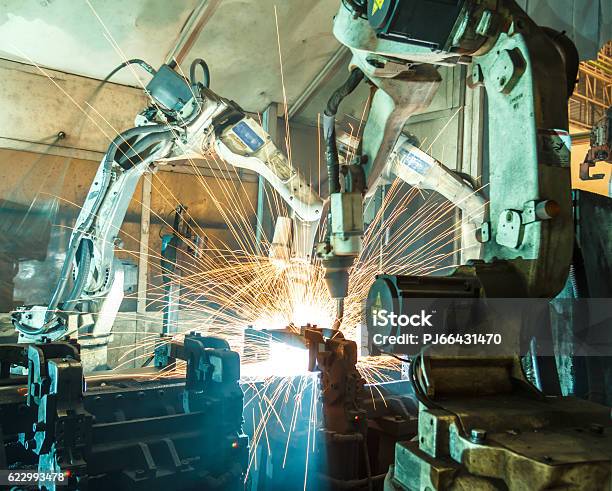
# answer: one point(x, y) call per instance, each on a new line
point(125, 431)
point(488, 428)
point(341, 384)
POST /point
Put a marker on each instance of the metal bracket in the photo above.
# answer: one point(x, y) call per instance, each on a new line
point(507, 69)
point(509, 229)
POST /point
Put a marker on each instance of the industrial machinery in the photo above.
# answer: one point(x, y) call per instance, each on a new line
point(601, 148)
point(186, 119)
point(396, 49)
point(359, 422)
point(478, 422)
point(118, 431)
point(481, 424)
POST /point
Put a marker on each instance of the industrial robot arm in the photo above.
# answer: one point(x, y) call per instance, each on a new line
point(397, 46)
point(186, 119)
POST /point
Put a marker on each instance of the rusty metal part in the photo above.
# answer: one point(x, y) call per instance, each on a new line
point(481, 423)
point(341, 383)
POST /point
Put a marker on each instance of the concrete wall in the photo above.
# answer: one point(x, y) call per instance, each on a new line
point(44, 180)
point(39, 103)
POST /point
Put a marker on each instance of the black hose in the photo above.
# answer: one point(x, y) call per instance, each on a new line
point(128, 135)
point(134, 61)
point(341, 92)
point(329, 128)
point(192, 75)
point(137, 152)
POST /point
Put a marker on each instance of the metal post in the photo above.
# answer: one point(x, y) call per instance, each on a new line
point(143, 257)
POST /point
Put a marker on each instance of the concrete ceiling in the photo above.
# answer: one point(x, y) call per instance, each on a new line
point(66, 35)
point(241, 46)
point(239, 41)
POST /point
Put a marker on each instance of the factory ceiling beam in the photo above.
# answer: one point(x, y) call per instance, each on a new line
point(192, 29)
point(327, 72)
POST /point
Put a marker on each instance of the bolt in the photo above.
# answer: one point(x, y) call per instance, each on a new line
point(30, 444)
point(478, 435)
point(61, 135)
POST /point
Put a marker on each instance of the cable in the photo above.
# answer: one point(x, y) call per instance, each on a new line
point(329, 128)
point(134, 61)
point(199, 62)
point(85, 254)
point(357, 7)
point(137, 151)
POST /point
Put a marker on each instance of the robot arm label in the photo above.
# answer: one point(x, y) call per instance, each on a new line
point(248, 136)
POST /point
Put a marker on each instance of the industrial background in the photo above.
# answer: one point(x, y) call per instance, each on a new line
point(280, 62)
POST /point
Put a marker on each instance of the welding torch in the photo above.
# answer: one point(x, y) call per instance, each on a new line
point(343, 241)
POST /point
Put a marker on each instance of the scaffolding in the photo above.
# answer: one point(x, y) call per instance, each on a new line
point(593, 93)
